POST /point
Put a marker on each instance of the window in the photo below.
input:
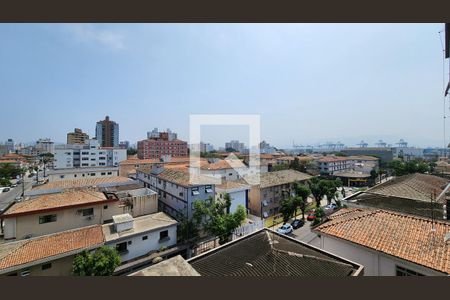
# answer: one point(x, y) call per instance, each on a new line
point(85, 158)
point(103, 173)
point(47, 219)
point(122, 247)
point(92, 174)
point(145, 237)
point(88, 212)
point(46, 266)
point(164, 236)
point(195, 191)
point(61, 176)
point(109, 173)
point(105, 207)
point(75, 175)
point(85, 153)
point(401, 271)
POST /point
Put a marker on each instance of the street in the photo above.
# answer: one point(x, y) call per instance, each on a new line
point(6, 198)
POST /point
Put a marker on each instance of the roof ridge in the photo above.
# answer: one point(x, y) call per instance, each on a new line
point(339, 221)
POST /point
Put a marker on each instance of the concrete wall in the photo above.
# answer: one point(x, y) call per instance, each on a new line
point(375, 263)
point(140, 247)
point(237, 198)
point(84, 174)
point(59, 267)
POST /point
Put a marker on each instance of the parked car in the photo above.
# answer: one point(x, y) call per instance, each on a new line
point(297, 223)
point(285, 229)
point(18, 198)
point(6, 190)
point(331, 206)
point(13, 185)
point(311, 216)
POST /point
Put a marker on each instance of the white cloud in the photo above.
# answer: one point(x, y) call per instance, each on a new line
point(89, 34)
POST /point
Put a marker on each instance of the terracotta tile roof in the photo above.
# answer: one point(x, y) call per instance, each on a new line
point(230, 185)
point(50, 202)
point(333, 158)
point(403, 236)
point(277, 178)
point(413, 186)
point(77, 183)
point(223, 164)
point(363, 157)
point(22, 252)
point(180, 176)
point(8, 161)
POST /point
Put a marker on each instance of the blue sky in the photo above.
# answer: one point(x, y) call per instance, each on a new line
point(308, 82)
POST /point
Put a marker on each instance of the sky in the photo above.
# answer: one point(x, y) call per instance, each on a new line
point(309, 83)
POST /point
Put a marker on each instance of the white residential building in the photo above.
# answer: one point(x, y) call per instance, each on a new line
point(88, 155)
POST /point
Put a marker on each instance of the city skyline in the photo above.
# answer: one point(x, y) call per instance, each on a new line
point(389, 79)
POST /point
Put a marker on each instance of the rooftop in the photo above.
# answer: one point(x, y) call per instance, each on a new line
point(20, 253)
point(278, 178)
point(330, 158)
point(267, 253)
point(175, 266)
point(81, 170)
point(141, 224)
point(403, 236)
point(231, 185)
point(78, 183)
point(179, 175)
point(51, 202)
point(363, 157)
point(413, 186)
point(224, 164)
point(135, 161)
point(351, 174)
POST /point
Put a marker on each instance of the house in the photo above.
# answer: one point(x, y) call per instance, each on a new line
point(53, 254)
point(364, 163)
point(388, 243)
point(136, 237)
point(48, 255)
point(56, 211)
point(238, 194)
point(262, 253)
point(177, 188)
point(265, 196)
point(418, 194)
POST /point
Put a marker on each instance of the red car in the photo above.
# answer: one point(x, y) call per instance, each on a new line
point(311, 216)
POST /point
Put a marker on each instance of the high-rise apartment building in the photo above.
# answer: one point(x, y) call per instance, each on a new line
point(239, 147)
point(107, 133)
point(77, 137)
point(45, 146)
point(161, 143)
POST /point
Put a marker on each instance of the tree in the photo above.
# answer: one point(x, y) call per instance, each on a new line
point(214, 217)
point(287, 208)
point(131, 151)
point(401, 168)
point(318, 189)
point(302, 192)
point(101, 262)
point(187, 230)
point(46, 158)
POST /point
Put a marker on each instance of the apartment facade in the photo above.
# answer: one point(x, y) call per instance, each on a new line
point(107, 133)
point(265, 197)
point(238, 193)
point(159, 144)
point(86, 155)
point(176, 193)
point(45, 146)
point(329, 164)
point(77, 137)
